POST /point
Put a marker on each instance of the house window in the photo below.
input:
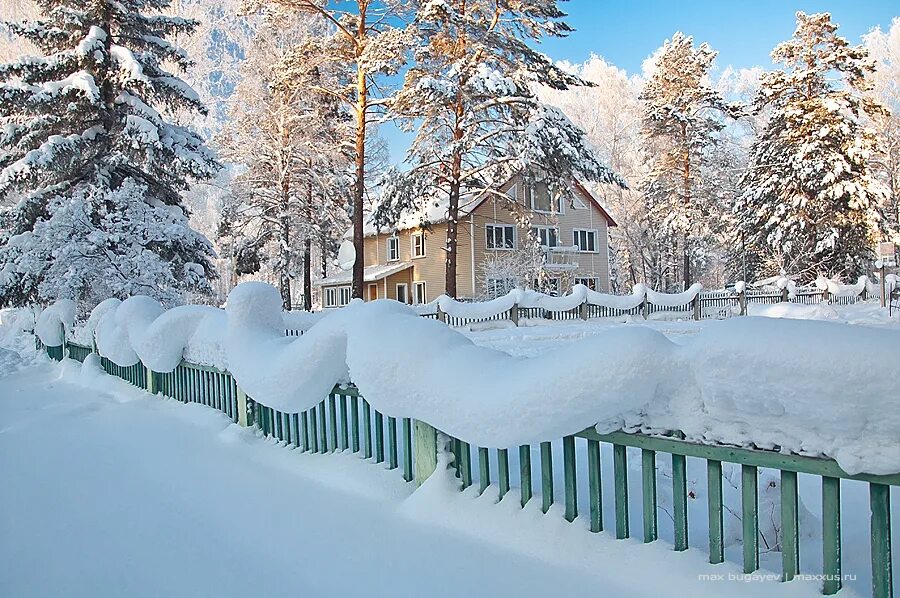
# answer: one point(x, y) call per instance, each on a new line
point(548, 236)
point(585, 240)
point(393, 249)
point(330, 297)
point(418, 245)
point(402, 293)
point(419, 297)
point(498, 287)
point(540, 198)
point(500, 236)
point(337, 296)
point(590, 283)
point(343, 296)
point(549, 286)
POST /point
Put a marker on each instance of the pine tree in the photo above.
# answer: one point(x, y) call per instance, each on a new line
point(681, 122)
point(478, 120)
point(85, 134)
point(811, 202)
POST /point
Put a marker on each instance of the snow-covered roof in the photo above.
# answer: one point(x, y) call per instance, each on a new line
point(431, 211)
point(370, 274)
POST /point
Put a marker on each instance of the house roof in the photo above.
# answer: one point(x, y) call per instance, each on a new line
point(434, 211)
point(370, 274)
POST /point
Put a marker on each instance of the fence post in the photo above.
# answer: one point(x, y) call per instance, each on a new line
point(583, 310)
point(514, 314)
point(645, 308)
point(784, 295)
point(742, 301)
point(441, 316)
point(243, 416)
point(151, 383)
point(883, 290)
point(425, 451)
point(696, 304)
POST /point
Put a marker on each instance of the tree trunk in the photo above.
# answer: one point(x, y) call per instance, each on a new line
point(359, 190)
point(453, 209)
point(284, 276)
point(307, 274)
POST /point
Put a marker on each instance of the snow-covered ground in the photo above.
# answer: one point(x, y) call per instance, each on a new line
point(534, 337)
point(119, 493)
point(111, 492)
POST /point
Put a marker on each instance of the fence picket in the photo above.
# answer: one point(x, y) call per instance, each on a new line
point(484, 469)
point(790, 547)
point(880, 525)
point(392, 443)
point(716, 527)
point(525, 473)
point(750, 517)
point(679, 492)
point(594, 486)
point(503, 471)
point(569, 472)
point(546, 476)
point(620, 480)
point(831, 534)
point(648, 486)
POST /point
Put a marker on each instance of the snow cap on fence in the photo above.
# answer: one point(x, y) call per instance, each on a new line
point(674, 299)
point(49, 325)
point(627, 378)
point(740, 286)
point(139, 329)
point(842, 290)
point(287, 373)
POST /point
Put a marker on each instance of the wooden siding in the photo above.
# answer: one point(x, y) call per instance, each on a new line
point(470, 273)
point(595, 265)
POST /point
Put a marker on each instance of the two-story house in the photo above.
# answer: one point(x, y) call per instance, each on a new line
point(408, 263)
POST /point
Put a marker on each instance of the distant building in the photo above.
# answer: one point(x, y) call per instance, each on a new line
point(408, 263)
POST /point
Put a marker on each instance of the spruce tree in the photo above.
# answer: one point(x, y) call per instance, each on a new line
point(811, 203)
point(87, 131)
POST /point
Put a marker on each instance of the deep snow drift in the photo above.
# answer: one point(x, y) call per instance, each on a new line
point(772, 383)
point(120, 494)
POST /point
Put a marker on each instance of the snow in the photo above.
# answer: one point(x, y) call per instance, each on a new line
point(370, 273)
point(745, 381)
point(675, 299)
point(242, 509)
point(53, 321)
point(128, 63)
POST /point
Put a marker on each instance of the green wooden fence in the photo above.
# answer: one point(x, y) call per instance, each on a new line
point(345, 421)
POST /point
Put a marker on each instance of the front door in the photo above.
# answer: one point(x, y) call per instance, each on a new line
point(373, 292)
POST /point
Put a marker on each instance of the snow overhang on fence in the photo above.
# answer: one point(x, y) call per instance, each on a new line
point(758, 381)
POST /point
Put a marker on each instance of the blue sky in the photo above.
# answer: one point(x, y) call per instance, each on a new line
point(625, 32)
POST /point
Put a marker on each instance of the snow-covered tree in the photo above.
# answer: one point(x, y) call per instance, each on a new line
point(100, 243)
point(366, 42)
point(884, 48)
point(86, 122)
point(288, 136)
point(469, 94)
point(681, 123)
point(609, 112)
point(811, 202)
